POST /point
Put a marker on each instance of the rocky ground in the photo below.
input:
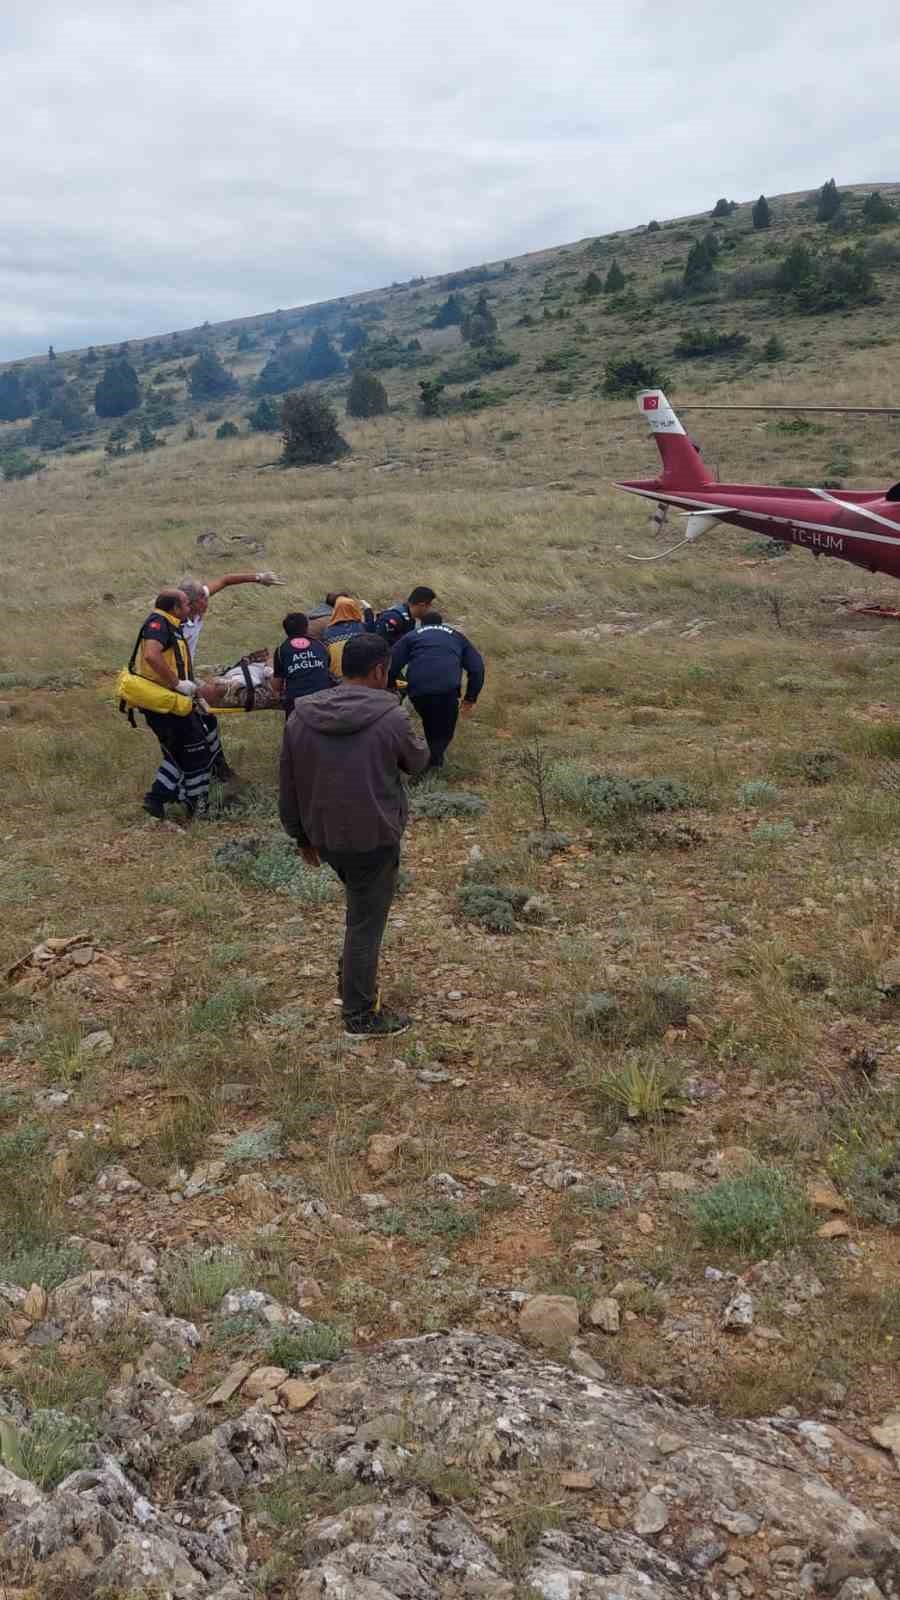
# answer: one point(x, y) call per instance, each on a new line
point(448, 1465)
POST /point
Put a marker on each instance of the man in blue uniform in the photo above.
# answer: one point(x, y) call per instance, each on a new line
point(300, 664)
point(432, 659)
point(399, 620)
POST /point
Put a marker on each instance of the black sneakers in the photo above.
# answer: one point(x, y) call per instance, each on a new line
point(376, 1025)
point(154, 808)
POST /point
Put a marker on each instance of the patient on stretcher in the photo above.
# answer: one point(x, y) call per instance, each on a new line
point(247, 686)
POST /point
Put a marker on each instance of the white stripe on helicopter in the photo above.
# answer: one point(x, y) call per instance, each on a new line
point(718, 513)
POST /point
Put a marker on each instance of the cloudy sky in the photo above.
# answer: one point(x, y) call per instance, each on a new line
point(176, 160)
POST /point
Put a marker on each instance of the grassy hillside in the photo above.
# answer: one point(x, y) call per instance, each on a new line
point(745, 939)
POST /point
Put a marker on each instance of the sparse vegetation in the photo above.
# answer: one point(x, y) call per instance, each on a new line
point(756, 1213)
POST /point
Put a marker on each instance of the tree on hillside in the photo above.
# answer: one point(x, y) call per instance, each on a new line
point(593, 285)
point(479, 325)
point(625, 374)
point(430, 391)
point(698, 269)
point(321, 360)
point(209, 379)
point(450, 314)
point(762, 213)
point(876, 209)
point(310, 431)
point(615, 279)
point(265, 416)
point(14, 399)
point(353, 337)
point(367, 396)
point(118, 390)
point(797, 268)
point(829, 201)
point(51, 354)
point(283, 371)
point(653, 226)
point(724, 208)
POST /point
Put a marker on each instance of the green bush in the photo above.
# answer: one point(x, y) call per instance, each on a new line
point(609, 797)
point(46, 1450)
point(645, 1090)
point(209, 379)
point(310, 431)
point(265, 416)
point(18, 464)
point(626, 374)
point(276, 864)
point(756, 793)
point(615, 279)
point(321, 1342)
point(47, 1264)
point(757, 1213)
point(192, 1281)
point(708, 342)
point(440, 803)
point(762, 213)
point(491, 905)
point(366, 396)
point(118, 390)
point(228, 430)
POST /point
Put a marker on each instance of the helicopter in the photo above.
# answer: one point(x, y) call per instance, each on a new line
point(861, 526)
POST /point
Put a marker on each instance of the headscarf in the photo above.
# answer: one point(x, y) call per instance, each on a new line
point(346, 610)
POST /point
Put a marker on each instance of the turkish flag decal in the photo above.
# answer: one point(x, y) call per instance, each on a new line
point(651, 402)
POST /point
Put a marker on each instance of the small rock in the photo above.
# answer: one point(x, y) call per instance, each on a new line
point(739, 1311)
point(734, 1566)
point(140, 1259)
point(7, 710)
point(34, 1306)
point(373, 1202)
point(668, 1444)
point(823, 1196)
point(264, 1379)
point(604, 1314)
point(577, 1480)
point(98, 1043)
point(645, 1222)
point(734, 1160)
point(651, 1515)
point(204, 1176)
point(382, 1149)
point(888, 979)
point(583, 1362)
point(626, 1288)
point(860, 1589)
point(429, 1075)
point(837, 1228)
point(676, 1182)
point(887, 1434)
point(255, 1199)
point(230, 1384)
point(296, 1394)
point(550, 1320)
point(558, 1176)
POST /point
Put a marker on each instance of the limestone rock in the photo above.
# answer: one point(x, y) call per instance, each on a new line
point(604, 1314)
point(34, 1306)
point(268, 1311)
point(651, 1515)
point(823, 1196)
point(550, 1320)
point(739, 1311)
point(735, 1160)
point(296, 1394)
point(676, 1182)
point(262, 1380)
point(835, 1228)
point(887, 1434)
point(384, 1148)
point(255, 1200)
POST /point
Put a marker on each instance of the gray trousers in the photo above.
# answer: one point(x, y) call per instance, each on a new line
point(370, 879)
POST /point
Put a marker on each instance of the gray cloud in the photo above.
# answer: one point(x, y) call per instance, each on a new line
point(183, 160)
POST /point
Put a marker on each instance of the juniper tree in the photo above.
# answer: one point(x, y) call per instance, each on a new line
point(118, 390)
point(367, 396)
point(209, 379)
point(829, 201)
point(310, 430)
point(615, 279)
point(762, 213)
point(321, 359)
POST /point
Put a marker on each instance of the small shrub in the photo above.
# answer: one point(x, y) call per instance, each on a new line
point(756, 794)
point(198, 1280)
point(626, 374)
point(865, 1159)
point(257, 1144)
point(644, 1090)
point(310, 431)
point(321, 1342)
point(225, 1006)
point(773, 832)
point(47, 1264)
point(17, 464)
point(709, 342)
point(491, 906)
point(545, 842)
point(275, 864)
point(48, 1449)
point(817, 767)
point(600, 1013)
point(366, 396)
point(228, 430)
point(758, 1212)
point(774, 350)
point(440, 803)
point(265, 416)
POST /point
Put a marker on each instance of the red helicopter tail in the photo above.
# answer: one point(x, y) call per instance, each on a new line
point(683, 466)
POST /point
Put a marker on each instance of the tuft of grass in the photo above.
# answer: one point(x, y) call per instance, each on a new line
point(321, 1342)
point(439, 804)
point(226, 1006)
point(48, 1264)
point(756, 1213)
point(197, 1280)
point(276, 865)
point(645, 1090)
point(432, 1219)
point(300, 1494)
point(45, 1451)
point(773, 832)
point(756, 794)
point(865, 1155)
point(257, 1144)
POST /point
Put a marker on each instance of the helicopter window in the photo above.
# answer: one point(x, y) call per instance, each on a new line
point(893, 493)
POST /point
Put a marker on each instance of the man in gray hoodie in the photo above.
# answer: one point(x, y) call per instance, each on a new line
point(342, 798)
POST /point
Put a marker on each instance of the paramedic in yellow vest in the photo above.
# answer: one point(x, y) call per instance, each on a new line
point(164, 657)
point(198, 597)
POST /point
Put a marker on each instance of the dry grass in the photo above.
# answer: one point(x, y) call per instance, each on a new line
point(780, 938)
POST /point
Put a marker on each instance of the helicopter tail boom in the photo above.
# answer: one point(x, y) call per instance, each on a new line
point(683, 466)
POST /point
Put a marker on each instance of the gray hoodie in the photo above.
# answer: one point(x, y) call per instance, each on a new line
point(343, 752)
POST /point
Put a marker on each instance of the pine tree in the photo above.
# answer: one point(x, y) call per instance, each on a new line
point(51, 354)
point(829, 201)
point(367, 396)
point(353, 337)
point(321, 359)
point(615, 279)
point(593, 285)
point(876, 209)
point(762, 213)
point(310, 431)
point(265, 416)
point(118, 390)
point(479, 325)
point(430, 391)
point(796, 270)
point(698, 269)
point(209, 380)
point(450, 314)
point(653, 226)
point(724, 208)
point(14, 401)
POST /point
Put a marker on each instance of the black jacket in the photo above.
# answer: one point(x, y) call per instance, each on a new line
point(394, 623)
point(433, 660)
